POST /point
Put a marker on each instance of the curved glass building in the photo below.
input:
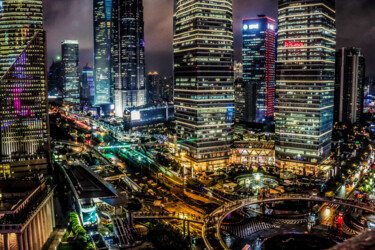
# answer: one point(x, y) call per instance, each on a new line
point(23, 103)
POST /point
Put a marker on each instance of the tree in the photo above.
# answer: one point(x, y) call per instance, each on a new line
point(165, 236)
point(134, 204)
point(107, 138)
point(193, 183)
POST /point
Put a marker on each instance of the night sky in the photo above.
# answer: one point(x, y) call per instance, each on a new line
point(72, 19)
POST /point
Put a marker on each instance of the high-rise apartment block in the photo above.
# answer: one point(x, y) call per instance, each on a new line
point(203, 69)
point(305, 84)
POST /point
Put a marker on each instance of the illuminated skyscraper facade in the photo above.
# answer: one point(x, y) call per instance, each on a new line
point(87, 86)
point(70, 59)
point(103, 24)
point(128, 71)
point(258, 58)
point(305, 84)
point(349, 86)
point(203, 69)
point(23, 87)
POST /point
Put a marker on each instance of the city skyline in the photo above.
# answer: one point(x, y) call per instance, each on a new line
point(247, 129)
point(353, 22)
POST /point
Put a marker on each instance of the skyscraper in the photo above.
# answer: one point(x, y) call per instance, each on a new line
point(305, 84)
point(258, 58)
point(203, 68)
point(24, 137)
point(238, 70)
point(154, 88)
point(56, 78)
point(128, 71)
point(103, 23)
point(349, 86)
point(70, 59)
point(87, 86)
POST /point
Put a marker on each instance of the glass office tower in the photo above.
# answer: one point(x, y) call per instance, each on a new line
point(128, 55)
point(203, 69)
point(258, 59)
point(70, 59)
point(24, 133)
point(305, 84)
point(103, 24)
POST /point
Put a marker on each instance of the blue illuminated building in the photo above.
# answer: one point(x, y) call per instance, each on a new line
point(256, 102)
point(87, 86)
point(119, 54)
point(128, 54)
point(102, 51)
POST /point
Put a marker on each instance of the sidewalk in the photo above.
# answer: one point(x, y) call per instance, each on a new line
point(54, 239)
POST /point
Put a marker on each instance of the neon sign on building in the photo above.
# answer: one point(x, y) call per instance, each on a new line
point(251, 26)
point(287, 44)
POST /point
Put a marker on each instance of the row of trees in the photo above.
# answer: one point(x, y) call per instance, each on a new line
point(81, 238)
point(170, 163)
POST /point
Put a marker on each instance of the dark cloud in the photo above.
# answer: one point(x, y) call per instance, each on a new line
point(72, 19)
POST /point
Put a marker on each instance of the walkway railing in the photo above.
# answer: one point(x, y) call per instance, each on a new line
point(211, 228)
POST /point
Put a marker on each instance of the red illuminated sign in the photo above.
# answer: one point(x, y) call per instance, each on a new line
point(287, 44)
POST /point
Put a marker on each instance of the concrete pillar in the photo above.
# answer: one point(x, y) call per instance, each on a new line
point(6, 241)
point(53, 213)
point(49, 216)
point(20, 241)
point(45, 223)
point(39, 228)
point(35, 234)
point(188, 229)
point(30, 237)
point(25, 239)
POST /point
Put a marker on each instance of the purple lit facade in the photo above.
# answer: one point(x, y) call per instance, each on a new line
point(23, 104)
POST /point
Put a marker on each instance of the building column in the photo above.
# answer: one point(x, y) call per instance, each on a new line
point(6, 241)
point(30, 237)
point(49, 217)
point(45, 223)
point(25, 235)
point(40, 229)
point(53, 213)
point(35, 234)
point(19, 241)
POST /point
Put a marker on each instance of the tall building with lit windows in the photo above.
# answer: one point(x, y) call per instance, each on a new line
point(103, 23)
point(203, 69)
point(70, 60)
point(24, 136)
point(128, 55)
point(349, 86)
point(258, 60)
point(305, 84)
